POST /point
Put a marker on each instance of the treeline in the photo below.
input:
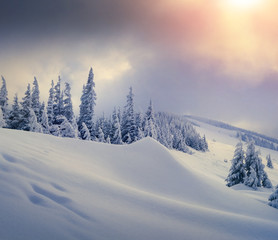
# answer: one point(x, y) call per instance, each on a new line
point(56, 117)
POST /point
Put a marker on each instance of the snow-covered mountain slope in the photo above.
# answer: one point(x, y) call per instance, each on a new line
point(54, 188)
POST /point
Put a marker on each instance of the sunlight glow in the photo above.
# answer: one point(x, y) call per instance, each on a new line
point(244, 3)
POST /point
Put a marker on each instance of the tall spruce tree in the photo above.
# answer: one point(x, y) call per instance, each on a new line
point(25, 113)
point(85, 133)
point(35, 98)
point(251, 180)
point(87, 106)
point(44, 121)
point(50, 104)
point(116, 129)
point(149, 125)
point(100, 135)
point(269, 161)
point(255, 168)
point(128, 120)
point(58, 100)
point(34, 126)
point(13, 121)
point(65, 128)
point(4, 99)
point(237, 172)
point(68, 108)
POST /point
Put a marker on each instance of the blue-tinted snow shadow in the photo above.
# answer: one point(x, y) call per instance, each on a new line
point(61, 200)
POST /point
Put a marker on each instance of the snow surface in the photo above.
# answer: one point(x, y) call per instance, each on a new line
point(58, 188)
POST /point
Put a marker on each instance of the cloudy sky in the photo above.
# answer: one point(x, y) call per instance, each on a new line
point(212, 58)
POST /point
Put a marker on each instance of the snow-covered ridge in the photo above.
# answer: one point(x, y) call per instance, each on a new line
point(246, 135)
point(59, 188)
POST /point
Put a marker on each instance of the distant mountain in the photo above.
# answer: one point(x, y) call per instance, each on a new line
point(246, 135)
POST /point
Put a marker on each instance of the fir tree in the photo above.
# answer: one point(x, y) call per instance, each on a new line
point(34, 126)
point(100, 135)
point(84, 132)
point(44, 121)
point(253, 163)
point(251, 166)
point(25, 113)
point(269, 161)
point(68, 109)
point(65, 128)
point(42, 107)
point(50, 103)
point(58, 100)
point(116, 129)
point(139, 119)
point(265, 181)
point(35, 98)
point(4, 98)
point(128, 121)
point(149, 124)
point(237, 172)
point(251, 180)
point(273, 198)
point(13, 121)
point(87, 105)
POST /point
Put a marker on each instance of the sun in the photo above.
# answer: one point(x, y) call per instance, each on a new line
point(244, 3)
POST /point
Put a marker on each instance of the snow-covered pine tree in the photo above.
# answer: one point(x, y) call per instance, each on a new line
point(44, 121)
point(237, 172)
point(65, 128)
point(4, 99)
point(25, 115)
point(13, 121)
point(108, 140)
point(265, 181)
point(34, 126)
point(149, 124)
point(107, 127)
point(251, 180)
point(87, 106)
point(35, 98)
point(269, 161)
point(128, 121)
point(42, 107)
point(273, 198)
point(50, 103)
point(116, 129)
point(100, 135)
point(251, 164)
point(139, 118)
point(58, 100)
point(68, 108)
point(179, 141)
point(84, 132)
point(254, 162)
point(204, 144)
point(2, 121)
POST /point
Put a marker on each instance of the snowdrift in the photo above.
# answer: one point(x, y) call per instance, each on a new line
point(54, 188)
